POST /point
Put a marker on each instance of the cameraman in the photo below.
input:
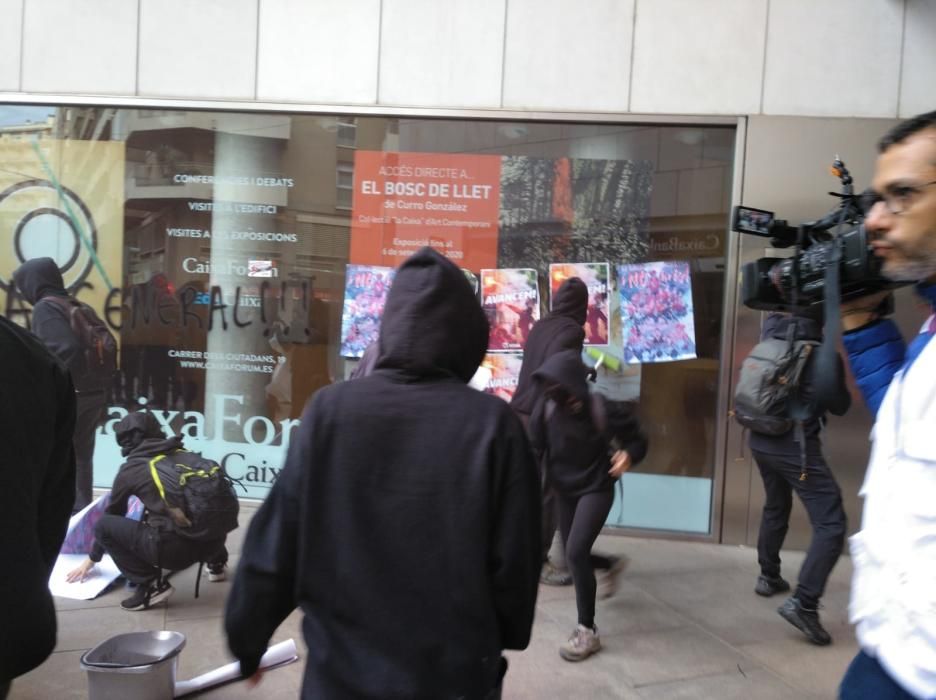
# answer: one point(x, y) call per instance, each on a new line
point(894, 555)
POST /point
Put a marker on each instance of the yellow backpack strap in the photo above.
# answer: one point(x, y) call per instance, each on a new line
point(155, 473)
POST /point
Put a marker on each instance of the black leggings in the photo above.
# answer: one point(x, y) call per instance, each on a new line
point(580, 521)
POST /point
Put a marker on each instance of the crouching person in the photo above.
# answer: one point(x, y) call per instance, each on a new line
point(189, 507)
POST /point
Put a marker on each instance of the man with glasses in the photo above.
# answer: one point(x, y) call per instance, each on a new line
point(894, 555)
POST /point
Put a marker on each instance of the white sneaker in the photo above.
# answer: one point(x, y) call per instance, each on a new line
point(583, 643)
point(217, 573)
point(608, 581)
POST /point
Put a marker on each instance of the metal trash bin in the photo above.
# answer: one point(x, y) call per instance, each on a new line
point(138, 665)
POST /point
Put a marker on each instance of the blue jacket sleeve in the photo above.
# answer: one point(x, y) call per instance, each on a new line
point(875, 353)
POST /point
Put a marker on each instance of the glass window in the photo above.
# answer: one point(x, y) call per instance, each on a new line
point(242, 259)
point(347, 132)
point(344, 182)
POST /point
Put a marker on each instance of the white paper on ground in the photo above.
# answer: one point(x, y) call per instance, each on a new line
point(276, 655)
point(101, 576)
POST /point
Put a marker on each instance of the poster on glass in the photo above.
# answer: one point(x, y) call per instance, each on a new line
point(510, 299)
point(656, 312)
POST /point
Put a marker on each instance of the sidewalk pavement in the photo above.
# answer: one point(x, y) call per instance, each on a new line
point(685, 623)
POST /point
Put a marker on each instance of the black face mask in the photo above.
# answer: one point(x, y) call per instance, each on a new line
point(564, 399)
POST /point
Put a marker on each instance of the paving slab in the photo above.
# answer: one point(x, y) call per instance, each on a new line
point(684, 624)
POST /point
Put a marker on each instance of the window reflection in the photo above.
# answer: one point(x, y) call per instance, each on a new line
point(225, 238)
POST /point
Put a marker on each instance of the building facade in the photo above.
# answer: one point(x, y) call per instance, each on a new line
point(231, 183)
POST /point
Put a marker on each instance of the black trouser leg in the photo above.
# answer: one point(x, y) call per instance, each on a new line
point(216, 555)
point(775, 519)
point(177, 552)
point(89, 413)
point(140, 551)
point(580, 521)
point(822, 500)
point(132, 545)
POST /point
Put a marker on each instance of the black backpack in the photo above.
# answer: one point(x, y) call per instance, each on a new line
point(198, 493)
point(770, 377)
point(95, 368)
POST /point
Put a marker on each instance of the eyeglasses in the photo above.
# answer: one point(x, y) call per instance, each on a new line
point(896, 200)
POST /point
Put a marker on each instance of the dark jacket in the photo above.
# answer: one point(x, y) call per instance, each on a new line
point(405, 522)
point(561, 329)
point(37, 489)
point(568, 436)
point(140, 438)
point(38, 279)
point(777, 326)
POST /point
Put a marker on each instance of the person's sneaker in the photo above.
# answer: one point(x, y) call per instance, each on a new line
point(769, 585)
point(552, 576)
point(583, 643)
point(148, 595)
point(217, 572)
point(608, 581)
point(806, 621)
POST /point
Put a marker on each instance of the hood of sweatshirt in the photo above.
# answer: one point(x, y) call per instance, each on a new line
point(432, 323)
point(566, 370)
point(38, 278)
point(571, 300)
point(140, 435)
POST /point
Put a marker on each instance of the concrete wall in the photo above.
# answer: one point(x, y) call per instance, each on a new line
point(847, 58)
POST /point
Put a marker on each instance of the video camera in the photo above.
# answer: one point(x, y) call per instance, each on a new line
point(799, 282)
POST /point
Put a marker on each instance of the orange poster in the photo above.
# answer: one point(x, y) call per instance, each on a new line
point(404, 201)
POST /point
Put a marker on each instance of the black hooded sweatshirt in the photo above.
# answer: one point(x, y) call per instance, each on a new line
point(561, 329)
point(777, 326)
point(405, 522)
point(38, 279)
point(575, 449)
point(140, 438)
point(37, 489)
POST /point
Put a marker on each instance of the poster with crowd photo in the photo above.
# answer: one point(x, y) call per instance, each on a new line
point(596, 277)
point(656, 312)
point(366, 288)
point(510, 299)
point(503, 373)
point(573, 209)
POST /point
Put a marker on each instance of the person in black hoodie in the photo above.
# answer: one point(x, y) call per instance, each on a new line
point(141, 549)
point(584, 456)
point(561, 329)
point(37, 487)
point(405, 520)
point(38, 280)
point(780, 465)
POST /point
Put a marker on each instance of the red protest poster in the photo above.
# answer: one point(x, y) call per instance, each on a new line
point(502, 372)
point(404, 201)
point(510, 299)
point(596, 278)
